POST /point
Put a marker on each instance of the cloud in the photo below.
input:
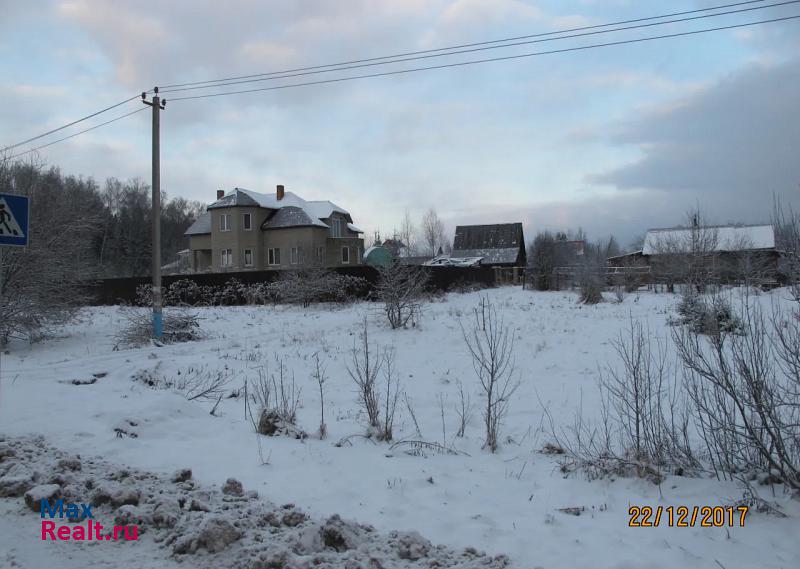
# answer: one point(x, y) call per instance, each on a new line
point(729, 145)
point(479, 12)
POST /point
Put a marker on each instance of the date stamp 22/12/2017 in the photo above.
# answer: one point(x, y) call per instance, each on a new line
point(687, 516)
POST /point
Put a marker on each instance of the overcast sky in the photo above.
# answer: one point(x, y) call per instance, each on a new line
point(614, 140)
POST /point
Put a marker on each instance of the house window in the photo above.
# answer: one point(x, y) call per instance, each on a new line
point(226, 259)
point(345, 255)
point(295, 255)
point(247, 221)
point(274, 256)
point(321, 255)
point(248, 257)
point(336, 227)
point(225, 222)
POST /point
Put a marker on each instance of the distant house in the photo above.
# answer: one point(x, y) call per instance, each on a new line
point(498, 245)
point(724, 252)
point(395, 246)
point(246, 230)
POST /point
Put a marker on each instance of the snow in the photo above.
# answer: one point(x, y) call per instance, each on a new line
point(489, 255)
point(448, 261)
point(506, 503)
point(316, 209)
point(728, 238)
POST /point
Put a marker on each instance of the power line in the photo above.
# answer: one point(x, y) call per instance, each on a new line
point(487, 60)
point(476, 49)
point(78, 133)
point(49, 132)
point(412, 53)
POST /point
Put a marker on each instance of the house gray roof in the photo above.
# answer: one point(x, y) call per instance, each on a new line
point(315, 209)
point(201, 226)
point(717, 238)
point(501, 243)
point(291, 216)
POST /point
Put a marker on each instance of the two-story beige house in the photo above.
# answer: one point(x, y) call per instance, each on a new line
point(246, 230)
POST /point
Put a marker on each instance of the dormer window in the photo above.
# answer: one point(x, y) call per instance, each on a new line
point(336, 227)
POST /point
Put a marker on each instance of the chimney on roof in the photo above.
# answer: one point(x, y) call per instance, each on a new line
point(220, 194)
point(279, 192)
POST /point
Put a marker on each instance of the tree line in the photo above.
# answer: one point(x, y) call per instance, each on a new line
point(111, 225)
point(78, 231)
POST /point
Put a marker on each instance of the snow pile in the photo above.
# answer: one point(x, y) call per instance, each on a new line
point(210, 527)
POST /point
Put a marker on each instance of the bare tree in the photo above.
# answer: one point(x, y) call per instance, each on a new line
point(491, 346)
point(433, 232)
point(786, 223)
point(407, 234)
point(400, 288)
point(542, 260)
point(687, 256)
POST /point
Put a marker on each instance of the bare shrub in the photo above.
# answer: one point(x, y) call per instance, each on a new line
point(463, 410)
point(400, 288)
point(591, 287)
point(392, 394)
point(196, 383)
point(277, 400)
point(650, 416)
point(410, 408)
point(746, 393)
point(180, 325)
point(491, 346)
point(319, 375)
point(314, 285)
point(364, 369)
point(645, 422)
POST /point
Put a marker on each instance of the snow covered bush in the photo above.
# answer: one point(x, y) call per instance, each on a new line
point(400, 288)
point(706, 315)
point(491, 345)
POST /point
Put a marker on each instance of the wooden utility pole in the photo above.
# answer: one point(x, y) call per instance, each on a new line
point(158, 320)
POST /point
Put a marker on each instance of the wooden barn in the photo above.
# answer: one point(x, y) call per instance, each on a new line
point(721, 253)
point(498, 245)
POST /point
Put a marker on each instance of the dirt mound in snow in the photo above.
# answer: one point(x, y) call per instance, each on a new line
point(215, 528)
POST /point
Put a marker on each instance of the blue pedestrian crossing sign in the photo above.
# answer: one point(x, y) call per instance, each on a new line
point(13, 220)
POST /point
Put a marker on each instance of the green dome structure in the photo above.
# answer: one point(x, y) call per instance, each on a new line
point(377, 257)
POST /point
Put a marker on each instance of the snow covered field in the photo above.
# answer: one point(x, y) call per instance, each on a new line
point(504, 503)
